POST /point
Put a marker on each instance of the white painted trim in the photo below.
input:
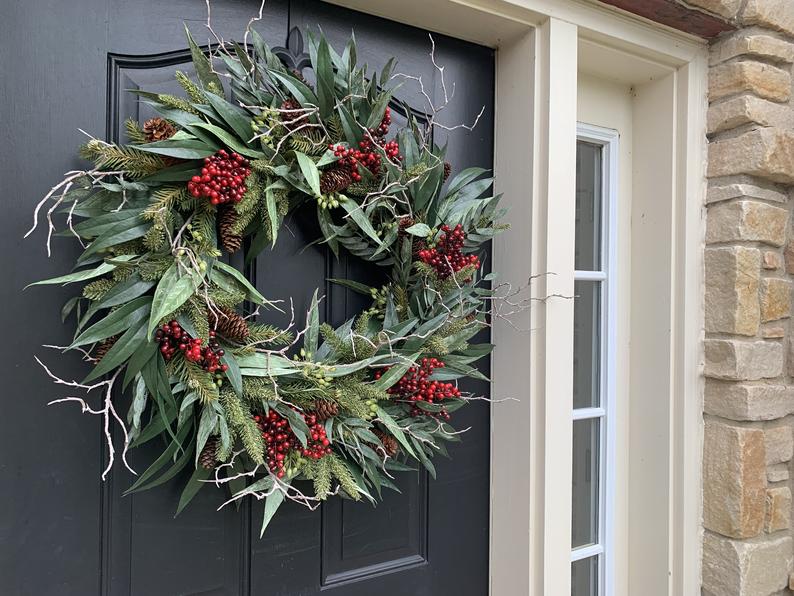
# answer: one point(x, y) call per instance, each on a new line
point(585, 552)
point(589, 275)
point(588, 413)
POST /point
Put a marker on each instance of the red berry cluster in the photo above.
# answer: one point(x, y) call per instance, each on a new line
point(447, 257)
point(173, 338)
point(367, 155)
point(415, 385)
point(222, 178)
point(280, 440)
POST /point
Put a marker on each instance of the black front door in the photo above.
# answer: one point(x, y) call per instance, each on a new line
point(63, 531)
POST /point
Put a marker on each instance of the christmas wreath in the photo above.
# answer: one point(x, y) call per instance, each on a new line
point(244, 404)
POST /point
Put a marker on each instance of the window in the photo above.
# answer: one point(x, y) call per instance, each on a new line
point(593, 393)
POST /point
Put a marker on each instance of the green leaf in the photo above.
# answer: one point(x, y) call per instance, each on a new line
point(208, 79)
point(394, 429)
point(209, 419)
point(353, 285)
point(181, 149)
point(349, 125)
point(181, 172)
point(299, 90)
point(358, 216)
point(116, 322)
point(313, 328)
point(123, 231)
point(68, 307)
point(96, 226)
point(180, 463)
point(420, 229)
point(171, 293)
point(324, 72)
point(272, 503)
point(193, 486)
point(76, 276)
point(272, 214)
point(253, 293)
point(309, 171)
point(228, 140)
point(396, 372)
point(139, 358)
point(124, 347)
point(233, 372)
point(236, 117)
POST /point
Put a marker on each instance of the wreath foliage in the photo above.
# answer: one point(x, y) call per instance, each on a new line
point(243, 404)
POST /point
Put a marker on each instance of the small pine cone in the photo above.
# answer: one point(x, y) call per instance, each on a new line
point(229, 324)
point(298, 75)
point(388, 442)
point(158, 129)
point(334, 180)
point(103, 348)
point(227, 218)
point(405, 222)
point(208, 456)
point(447, 170)
point(418, 246)
point(292, 114)
point(325, 409)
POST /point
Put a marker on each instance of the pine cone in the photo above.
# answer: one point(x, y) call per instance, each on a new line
point(292, 115)
point(325, 409)
point(447, 170)
point(334, 180)
point(208, 456)
point(418, 246)
point(158, 129)
point(298, 75)
point(227, 218)
point(403, 224)
point(102, 348)
point(229, 324)
point(389, 443)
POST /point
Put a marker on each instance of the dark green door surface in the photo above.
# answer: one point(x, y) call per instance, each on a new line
point(63, 532)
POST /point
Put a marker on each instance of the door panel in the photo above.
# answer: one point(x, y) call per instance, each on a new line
point(429, 540)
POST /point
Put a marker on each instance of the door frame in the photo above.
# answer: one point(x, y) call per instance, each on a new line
point(541, 46)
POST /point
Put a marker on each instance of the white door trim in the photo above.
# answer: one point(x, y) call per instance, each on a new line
point(537, 43)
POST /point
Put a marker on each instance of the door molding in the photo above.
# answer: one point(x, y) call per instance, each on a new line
point(537, 44)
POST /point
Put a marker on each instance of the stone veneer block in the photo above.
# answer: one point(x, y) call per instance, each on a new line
point(734, 480)
point(753, 44)
point(739, 190)
point(778, 445)
point(778, 509)
point(732, 280)
point(746, 220)
point(738, 401)
point(748, 76)
point(767, 153)
point(775, 299)
point(775, 14)
point(738, 111)
point(734, 568)
point(777, 473)
point(771, 260)
point(739, 360)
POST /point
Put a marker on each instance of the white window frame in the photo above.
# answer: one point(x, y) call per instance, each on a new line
point(606, 275)
point(538, 43)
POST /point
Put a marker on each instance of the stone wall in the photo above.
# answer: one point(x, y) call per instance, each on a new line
point(748, 548)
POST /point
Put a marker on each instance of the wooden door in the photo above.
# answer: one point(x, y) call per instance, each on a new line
point(62, 530)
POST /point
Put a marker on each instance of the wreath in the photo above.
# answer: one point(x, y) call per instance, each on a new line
point(161, 313)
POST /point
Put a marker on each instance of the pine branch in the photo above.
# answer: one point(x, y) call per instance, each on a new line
point(96, 290)
point(193, 91)
point(177, 103)
point(133, 162)
point(134, 132)
point(243, 425)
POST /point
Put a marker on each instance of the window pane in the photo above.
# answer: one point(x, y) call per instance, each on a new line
point(588, 207)
point(584, 577)
point(587, 344)
point(584, 527)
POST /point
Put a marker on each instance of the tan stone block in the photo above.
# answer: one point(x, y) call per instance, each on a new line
point(753, 44)
point(724, 8)
point(778, 444)
point(744, 189)
point(734, 480)
point(775, 299)
point(767, 153)
point(748, 402)
point(732, 280)
point(738, 111)
point(741, 360)
point(735, 568)
point(746, 220)
point(775, 14)
point(773, 332)
point(778, 509)
point(777, 473)
point(764, 80)
point(771, 260)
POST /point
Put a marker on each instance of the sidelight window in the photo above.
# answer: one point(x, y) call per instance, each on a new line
point(593, 391)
